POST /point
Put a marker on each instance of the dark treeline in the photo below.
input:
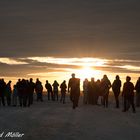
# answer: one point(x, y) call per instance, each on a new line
point(94, 92)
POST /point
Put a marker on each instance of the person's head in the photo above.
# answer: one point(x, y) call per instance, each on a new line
point(23, 80)
point(117, 77)
point(46, 81)
point(31, 80)
point(73, 75)
point(128, 79)
point(2, 80)
point(92, 79)
point(86, 79)
point(64, 81)
point(105, 77)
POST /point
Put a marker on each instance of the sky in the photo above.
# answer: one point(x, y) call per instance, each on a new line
point(50, 39)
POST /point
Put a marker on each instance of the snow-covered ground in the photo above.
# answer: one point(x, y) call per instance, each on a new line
point(55, 121)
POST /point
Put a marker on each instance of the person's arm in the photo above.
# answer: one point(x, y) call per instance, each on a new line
point(120, 83)
point(136, 86)
point(133, 86)
point(113, 84)
point(69, 86)
point(109, 84)
point(42, 88)
point(66, 86)
point(123, 90)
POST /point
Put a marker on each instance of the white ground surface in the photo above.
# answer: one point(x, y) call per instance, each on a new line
point(56, 121)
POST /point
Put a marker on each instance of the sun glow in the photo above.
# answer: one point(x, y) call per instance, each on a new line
point(87, 66)
point(88, 72)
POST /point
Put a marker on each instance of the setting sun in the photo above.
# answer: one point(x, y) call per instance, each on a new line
point(88, 72)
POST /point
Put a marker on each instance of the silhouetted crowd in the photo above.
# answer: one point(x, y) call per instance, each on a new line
point(94, 92)
point(100, 89)
point(23, 92)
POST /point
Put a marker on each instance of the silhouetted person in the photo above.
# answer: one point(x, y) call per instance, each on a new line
point(98, 90)
point(95, 93)
point(63, 88)
point(128, 94)
point(15, 96)
point(116, 87)
point(19, 91)
point(105, 86)
point(137, 88)
point(92, 97)
point(29, 95)
point(49, 90)
point(85, 91)
point(2, 91)
point(55, 89)
point(39, 90)
point(74, 88)
point(31, 91)
point(8, 93)
point(24, 91)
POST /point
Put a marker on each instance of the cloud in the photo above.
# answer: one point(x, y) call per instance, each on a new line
point(71, 61)
point(11, 61)
point(56, 67)
point(129, 67)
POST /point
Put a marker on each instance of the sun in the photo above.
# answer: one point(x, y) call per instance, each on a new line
point(88, 72)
